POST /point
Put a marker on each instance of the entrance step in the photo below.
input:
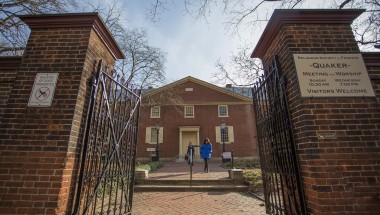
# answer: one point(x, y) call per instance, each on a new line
point(151, 185)
point(188, 188)
point(187, 182)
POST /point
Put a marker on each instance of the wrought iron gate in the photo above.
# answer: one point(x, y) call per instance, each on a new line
point(283, 189)
point(106, 177)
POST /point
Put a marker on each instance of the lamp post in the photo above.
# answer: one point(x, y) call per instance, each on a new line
point(157, 148)
point(223, 127)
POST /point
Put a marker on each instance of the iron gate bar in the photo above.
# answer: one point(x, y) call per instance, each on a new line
point(93, 83)
point(109, 147)
point(282, 182)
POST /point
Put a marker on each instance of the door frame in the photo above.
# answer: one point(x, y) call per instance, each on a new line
point(187, 129)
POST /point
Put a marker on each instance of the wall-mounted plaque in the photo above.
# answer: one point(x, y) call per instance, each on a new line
point(43, 90)
point(332, 75)
point(326, 135)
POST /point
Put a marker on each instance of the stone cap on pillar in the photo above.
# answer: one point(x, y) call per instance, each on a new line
point(73, 20)
point(301, 16)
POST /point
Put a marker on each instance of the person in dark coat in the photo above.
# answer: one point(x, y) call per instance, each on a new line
point(206, 151)
point(190, 154)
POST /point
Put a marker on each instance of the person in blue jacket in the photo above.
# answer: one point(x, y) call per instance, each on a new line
point(206, 151)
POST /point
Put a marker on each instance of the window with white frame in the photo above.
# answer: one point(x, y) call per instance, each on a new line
point(226, 134)
point(151, 135)
point(222, 110)
point(189, 111)
point(155, 112)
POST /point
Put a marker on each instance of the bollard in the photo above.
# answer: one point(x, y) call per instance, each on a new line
point(232, 159)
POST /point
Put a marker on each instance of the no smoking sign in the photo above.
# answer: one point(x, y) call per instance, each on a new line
point(43, 90)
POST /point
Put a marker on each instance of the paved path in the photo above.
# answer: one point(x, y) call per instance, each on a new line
point(177, 203)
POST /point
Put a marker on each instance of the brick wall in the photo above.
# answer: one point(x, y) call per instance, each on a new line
point(8, 72)
point(339, 176)
point(40, 147)
point(372, 61)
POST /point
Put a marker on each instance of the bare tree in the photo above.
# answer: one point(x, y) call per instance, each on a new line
point(367, 27)
point(157, 8)
point(243, 13)
point(240, 70)
point(144, 64)
point(13, 31)
point(111, 12)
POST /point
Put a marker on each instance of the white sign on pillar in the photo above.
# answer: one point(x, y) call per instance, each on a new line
point(43, 90)
point(332, 75)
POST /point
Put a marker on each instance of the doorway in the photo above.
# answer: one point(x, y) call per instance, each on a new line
point(187, 135)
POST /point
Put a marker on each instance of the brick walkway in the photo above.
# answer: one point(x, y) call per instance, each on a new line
point(176, 203)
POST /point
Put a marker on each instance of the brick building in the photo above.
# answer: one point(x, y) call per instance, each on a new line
point(190, 110)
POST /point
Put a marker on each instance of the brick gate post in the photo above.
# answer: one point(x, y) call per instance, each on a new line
point(40, 146)
point(337, 137)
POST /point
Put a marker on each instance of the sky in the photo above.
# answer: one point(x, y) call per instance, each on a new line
point(193, 46)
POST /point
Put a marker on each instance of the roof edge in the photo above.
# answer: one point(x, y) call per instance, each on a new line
point(203, 83)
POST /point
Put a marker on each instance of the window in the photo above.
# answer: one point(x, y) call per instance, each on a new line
point(189, 111)
point(227, 135)
point(223, 111)
point(224, 135)
point(151, 135)
point(155, 112)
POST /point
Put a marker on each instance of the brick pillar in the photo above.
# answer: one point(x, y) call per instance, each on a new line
point(342, 175)
point(8, 71)
point(40, 146)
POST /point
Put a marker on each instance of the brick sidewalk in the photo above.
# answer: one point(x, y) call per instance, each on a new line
point(177, 203)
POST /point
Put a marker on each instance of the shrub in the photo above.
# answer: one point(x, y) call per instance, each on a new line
point(243, 164)
point(149, 166)
point(254, 179)
point(253, 176)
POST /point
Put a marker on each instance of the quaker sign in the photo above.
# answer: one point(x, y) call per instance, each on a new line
point(332, 75)
point(43, 90)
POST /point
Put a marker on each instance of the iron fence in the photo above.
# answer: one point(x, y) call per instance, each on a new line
point(283, 189)
point(106, 177)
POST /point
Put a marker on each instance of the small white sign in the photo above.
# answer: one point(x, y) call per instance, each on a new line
point(151, 149)
point(43, 90)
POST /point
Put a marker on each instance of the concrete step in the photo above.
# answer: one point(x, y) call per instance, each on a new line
point(188, 188)
point(187, 182)
point(182, 185)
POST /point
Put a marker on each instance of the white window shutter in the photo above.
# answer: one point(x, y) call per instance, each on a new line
point(231, 134)
point(161, 135)
point(217, 134)
point(148, 135)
